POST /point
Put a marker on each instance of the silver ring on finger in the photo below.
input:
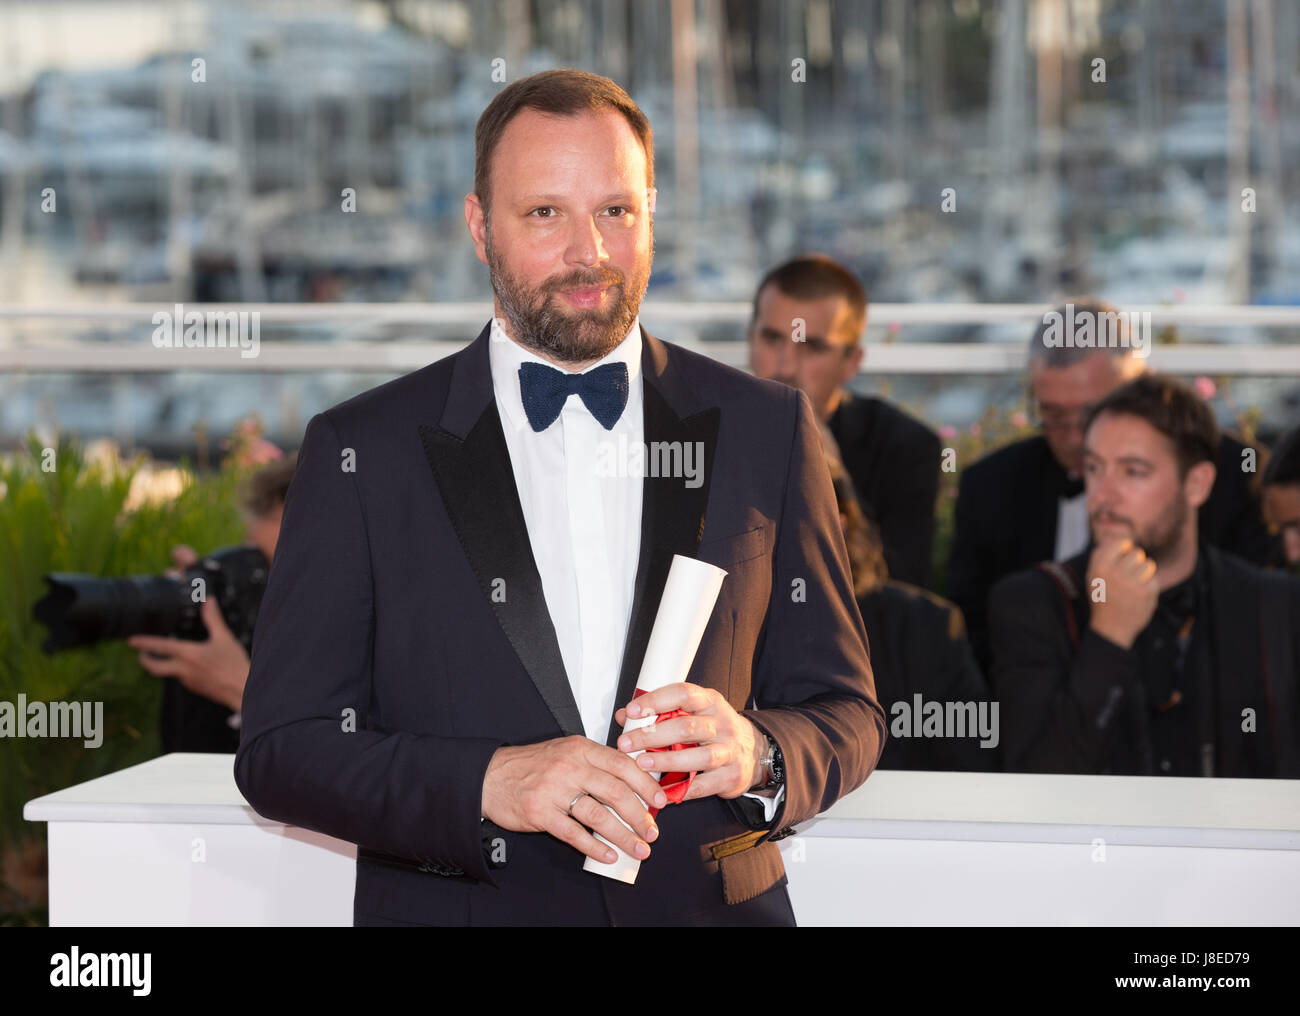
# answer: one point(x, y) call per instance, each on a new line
point(575, 800)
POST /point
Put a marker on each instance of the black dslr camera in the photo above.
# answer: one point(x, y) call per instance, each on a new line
point(79, 610)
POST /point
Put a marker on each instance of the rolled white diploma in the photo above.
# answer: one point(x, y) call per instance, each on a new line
point(689, 595)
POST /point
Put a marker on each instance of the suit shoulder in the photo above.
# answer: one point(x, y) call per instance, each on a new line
point(930, 609)
point(901, 426)
point(1240, 570)
point(1021, 592)
point(713, 378)
point(427, 386)
point(1008, 462)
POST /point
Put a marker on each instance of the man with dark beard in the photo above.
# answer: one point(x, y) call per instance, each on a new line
point(1151, 653)
point(473, 556)
point(1025, 502)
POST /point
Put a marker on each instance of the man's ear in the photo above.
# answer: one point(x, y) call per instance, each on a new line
point(1134, 366)
point(1031, 376)
point(477, 223)
point(1199, 482)
point(751, 342)
point(852, 362)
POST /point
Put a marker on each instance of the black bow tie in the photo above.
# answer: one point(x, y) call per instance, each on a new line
point(545, 390)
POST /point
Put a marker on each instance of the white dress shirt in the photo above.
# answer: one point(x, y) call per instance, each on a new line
point(584, 527)
point(1072, 532)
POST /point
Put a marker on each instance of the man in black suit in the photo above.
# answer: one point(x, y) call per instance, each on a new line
point(1151, 653)
point(1025, 503)
point(806, 330)
point(471, 562)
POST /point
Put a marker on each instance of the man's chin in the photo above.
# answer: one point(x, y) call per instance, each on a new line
point(1111, 532)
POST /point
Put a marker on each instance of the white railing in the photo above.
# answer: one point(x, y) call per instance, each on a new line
point(884, 356)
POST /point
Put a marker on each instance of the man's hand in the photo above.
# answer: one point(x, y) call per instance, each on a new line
point(183, 556)
point(529, 788)
point(728, 749)
point(215, 669)
point(1128, 601)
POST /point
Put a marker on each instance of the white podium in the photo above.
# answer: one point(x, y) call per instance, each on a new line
point(172, 842)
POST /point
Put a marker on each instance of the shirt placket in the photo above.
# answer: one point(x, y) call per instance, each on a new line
point(591, 564)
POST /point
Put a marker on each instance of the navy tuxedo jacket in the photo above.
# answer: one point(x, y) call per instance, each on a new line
point(404, 638)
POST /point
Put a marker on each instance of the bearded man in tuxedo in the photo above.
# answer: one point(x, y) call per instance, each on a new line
point(453, 627)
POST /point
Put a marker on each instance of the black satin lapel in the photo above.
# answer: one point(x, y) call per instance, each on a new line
point(477, 484)
point(672, 521)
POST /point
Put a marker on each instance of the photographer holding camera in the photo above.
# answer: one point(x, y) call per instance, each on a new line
point(201, 706)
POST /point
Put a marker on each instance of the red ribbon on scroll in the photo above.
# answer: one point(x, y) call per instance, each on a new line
point(674, 785)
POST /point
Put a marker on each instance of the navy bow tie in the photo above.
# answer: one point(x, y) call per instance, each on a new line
point(545, 389)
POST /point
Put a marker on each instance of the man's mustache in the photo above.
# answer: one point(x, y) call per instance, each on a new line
point(608, 277)
point(1105, 516)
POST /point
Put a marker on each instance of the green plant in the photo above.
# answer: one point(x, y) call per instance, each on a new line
point(62, 509)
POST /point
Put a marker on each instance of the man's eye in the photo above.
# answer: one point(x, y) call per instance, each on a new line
point(543, 208)
point(620, 210)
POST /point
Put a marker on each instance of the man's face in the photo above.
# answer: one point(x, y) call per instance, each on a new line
point(1062, 396)
point(570, 240)
point(1130, 473)
point(1282, 513)
point(263, 531)
point(821, 363)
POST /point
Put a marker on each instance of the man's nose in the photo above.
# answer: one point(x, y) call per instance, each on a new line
point(586, 245)
point(1101, 491)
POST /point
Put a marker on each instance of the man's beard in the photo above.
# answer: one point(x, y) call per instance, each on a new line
point(574, 335)
point(1158, 540)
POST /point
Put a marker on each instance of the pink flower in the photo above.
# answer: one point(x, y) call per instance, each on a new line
point(1019, 419)
point(947, 432)
point(248, 445)
point(261, 450)
point(1204, 387)
point(976, 429)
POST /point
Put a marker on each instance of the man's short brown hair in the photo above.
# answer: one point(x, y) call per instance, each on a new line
point(1173, 409)
point(812, 277)
point(562, 92)
point(265, 491)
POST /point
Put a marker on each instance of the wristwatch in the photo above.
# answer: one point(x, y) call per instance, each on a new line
point(772, 765)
